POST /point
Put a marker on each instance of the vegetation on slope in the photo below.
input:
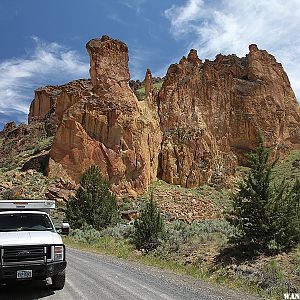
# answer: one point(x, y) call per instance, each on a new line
point(196, 235)
point(17, 182)
point(288, 168)
point(266, 215)
point(140, 93)
point(202, 248)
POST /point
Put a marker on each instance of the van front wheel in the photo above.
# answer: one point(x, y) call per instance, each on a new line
point(58, 280)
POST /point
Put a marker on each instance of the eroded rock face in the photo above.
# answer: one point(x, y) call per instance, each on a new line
point(195, 130)
point(18, 139)
point(108, 63)
point(51, 102)
point(190, 153)
point(107, 126)
point(211, 114)
point(7, 128)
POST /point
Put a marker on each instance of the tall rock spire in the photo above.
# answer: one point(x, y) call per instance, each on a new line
point(108, 61)
point(148, 84)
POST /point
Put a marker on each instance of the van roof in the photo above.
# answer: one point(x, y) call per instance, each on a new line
point(24, 204)
point(23, 212)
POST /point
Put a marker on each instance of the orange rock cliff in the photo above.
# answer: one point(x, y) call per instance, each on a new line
point(195, 130)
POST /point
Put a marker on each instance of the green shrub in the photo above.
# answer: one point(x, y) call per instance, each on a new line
point(178, 235)
point(43, 144)
point(285, 212)
point(126, 204)
point(287, 169)
point(86, 235)
point(93, 203)
point(214, 226)
point(140, 94)
point(149, 227)
point(180, 231)
point(120, 231)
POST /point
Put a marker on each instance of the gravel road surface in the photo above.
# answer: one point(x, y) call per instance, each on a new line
point(93, 276)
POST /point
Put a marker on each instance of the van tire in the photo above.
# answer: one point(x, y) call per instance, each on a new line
point(58, 280)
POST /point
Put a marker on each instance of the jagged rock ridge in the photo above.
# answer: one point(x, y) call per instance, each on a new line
point(211, 114)
point(195, 130)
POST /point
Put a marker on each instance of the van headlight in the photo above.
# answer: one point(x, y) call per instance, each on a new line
point(58, 253)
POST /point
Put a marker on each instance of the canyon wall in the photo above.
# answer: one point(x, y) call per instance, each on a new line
point(195, 130)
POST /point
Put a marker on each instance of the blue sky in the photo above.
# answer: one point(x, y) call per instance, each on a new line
point(43, 41)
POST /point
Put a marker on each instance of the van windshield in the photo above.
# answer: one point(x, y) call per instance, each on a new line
point(25, 222)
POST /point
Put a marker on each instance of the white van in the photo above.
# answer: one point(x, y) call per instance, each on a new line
point(30, 247)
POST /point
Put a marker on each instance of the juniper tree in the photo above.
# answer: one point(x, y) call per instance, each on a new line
point(285, 210)
point(266, 216)
point(250, 206)
point(94, 204)
point(149, 227)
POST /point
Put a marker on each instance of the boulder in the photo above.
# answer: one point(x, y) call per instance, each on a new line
point(38, 162)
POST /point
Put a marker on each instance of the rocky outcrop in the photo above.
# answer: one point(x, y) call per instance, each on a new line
point(108, 63)
point(195, 130)
point(108, 126)
point(17, 143)
point(37, 162)
point(61, 190)
point(51, 102)
point(7, 128)
point(211, 114)
point(190, 154)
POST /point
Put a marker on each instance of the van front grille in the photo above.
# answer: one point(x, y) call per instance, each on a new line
point(22, 255)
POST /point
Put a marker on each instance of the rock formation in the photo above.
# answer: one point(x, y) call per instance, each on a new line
point(148, 84)
point(7, 128)
point(51, 102)
point(101, 122)
point(211, 114)
point(197, 129)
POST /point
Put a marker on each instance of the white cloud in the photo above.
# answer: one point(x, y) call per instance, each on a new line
point(116, 18)
point(133, 4)
point(229, 26)
point(49, 63)
point(182, 17)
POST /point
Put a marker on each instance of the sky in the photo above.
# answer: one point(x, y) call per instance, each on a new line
point(43, 41)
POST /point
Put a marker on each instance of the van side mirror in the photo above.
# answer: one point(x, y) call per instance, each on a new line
point(64, 229)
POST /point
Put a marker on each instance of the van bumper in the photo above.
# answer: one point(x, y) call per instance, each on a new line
point(42, 271)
